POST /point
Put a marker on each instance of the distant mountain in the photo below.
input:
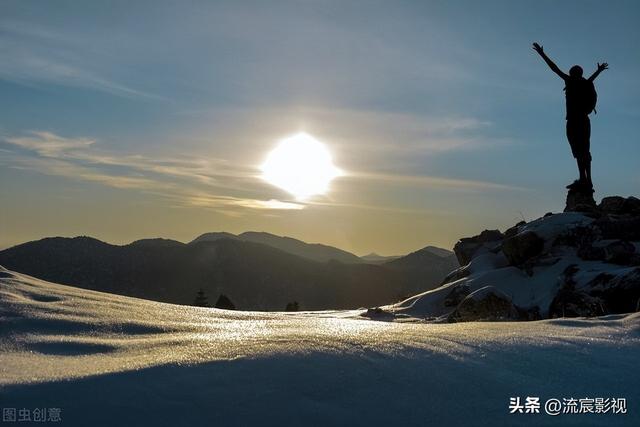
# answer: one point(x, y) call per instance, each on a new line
point(253, 275)
point(438, 251)
point(374, 258)
point(428, 256)
point(211, 237)
point(312, 251)
point(144, 243)
point(421, 264)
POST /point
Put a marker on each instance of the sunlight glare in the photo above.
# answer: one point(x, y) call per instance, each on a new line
point(300, 165)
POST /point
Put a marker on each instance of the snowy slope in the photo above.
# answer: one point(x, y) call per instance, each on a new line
point(533, 285)
point(112, 360)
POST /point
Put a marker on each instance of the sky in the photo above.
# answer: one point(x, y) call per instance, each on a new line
point(125, 120)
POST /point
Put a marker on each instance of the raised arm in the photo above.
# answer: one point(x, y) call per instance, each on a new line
point(549, 62)
point(601, 68)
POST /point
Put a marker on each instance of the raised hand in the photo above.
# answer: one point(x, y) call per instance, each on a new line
point(538, 48)
point(549, 62)
point(601, 68)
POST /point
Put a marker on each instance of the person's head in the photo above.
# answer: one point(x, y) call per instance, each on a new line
point(576, 71)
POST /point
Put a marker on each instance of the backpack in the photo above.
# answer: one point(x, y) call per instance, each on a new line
point(583, 94)
point(589, 97)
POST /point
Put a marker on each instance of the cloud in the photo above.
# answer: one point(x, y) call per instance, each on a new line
point(212, 183)
point(432, 182)
point(383, 208)
point(361, 141)
point(48, 144)
point(271, 204)
point(204, 200)
point(211, 172)
point(34, 55)
point(361, 136)
point(52, 166)
point(186, 181)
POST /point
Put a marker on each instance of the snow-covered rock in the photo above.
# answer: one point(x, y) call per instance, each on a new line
point(468, 247)
point(522, 247)
point(561, 265)
point(488, 303)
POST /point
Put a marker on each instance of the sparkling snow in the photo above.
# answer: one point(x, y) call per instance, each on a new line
point(112, 360)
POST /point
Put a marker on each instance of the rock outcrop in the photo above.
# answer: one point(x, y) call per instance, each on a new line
point(521, 247)
point(582, 262)
point(457, 294)
point(571, 302)
point(487, 304)
point(580, 200)
point(467, 247)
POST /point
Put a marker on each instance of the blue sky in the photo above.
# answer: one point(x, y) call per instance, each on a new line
point(126, 120)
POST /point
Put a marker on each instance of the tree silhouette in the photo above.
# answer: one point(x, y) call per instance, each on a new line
point(292, 306)
point(201, 299)
point(225, 303)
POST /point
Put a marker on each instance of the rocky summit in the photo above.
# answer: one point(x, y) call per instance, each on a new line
point(584, 261)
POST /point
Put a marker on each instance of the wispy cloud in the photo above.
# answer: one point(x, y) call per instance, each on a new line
point(185, 181)
point(401, 132)
point(208, 201)
point(34, 55)
point(83, 151)
point(383, 208)
point(57, 167)
point(48, 144)
point(364, 129)
point(432, 182)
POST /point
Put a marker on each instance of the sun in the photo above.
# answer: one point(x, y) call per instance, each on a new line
point(300, 165)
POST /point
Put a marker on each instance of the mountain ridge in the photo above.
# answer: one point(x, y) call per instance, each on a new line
point(315, 251)
point(254, 275)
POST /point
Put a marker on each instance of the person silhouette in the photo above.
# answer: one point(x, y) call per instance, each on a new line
point(581, 100)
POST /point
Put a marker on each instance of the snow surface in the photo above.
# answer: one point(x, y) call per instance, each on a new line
point(551, 226)
point(112, 360)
